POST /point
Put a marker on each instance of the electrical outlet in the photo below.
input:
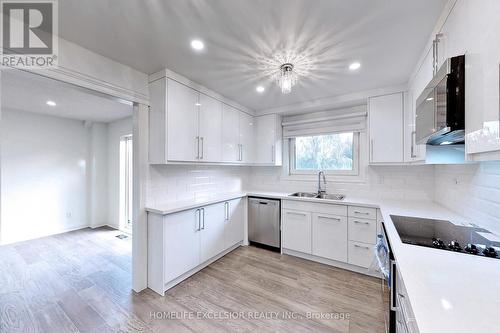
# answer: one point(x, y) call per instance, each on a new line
point(68, 215)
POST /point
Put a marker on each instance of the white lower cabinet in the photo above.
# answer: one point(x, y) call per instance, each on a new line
point(335, 234)
point(212, 231)
point(234, 229)
point(180, 244)
point(360, 254)
point(296, 230)
point(329, 236)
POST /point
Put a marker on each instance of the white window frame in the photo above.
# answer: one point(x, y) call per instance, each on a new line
point(356, 159)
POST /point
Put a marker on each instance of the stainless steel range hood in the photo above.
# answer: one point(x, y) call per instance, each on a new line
point(441, 106)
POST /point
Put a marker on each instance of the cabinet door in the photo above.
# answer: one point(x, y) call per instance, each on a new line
point(265, 139)
point(247, 138)
point(234, 229)
point(212, 231)
point(182, 243)
point(386, 129)
point(296, 231)
point(182, 123)
point(329, 236)
point(230, 134)
point(210, 129)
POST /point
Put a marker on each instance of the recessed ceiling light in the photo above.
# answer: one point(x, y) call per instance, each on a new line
point(354, 66)
point(197, 104)
point(260, 89)
point(51, 103)
point(197, 44)
point(430, 99)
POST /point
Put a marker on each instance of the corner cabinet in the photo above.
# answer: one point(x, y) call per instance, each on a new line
point(386, 129)
point(268, 140)
point(188, 126)
point(182, 243)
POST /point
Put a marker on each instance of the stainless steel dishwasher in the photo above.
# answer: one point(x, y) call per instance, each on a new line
point(264, 222)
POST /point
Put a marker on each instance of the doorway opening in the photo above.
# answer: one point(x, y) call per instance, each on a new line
point(126, 183)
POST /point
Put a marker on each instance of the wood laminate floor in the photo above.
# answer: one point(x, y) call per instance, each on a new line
point(80, 282)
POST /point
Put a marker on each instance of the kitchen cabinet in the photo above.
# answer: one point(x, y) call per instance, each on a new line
point(268, 140)
point(212, 230)
point(210, 129)
point(185, 125)
point(234, 217)
point(230, 134)
point(246, 135)
point(386, 132)
point(329, 236)
point(296, 230)
point(182, 243)
point(360, 254)
point(182, 122)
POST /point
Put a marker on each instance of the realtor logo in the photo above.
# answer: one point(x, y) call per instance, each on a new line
point(29, 33)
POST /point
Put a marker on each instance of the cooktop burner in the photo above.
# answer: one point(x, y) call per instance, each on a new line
point(445, 235)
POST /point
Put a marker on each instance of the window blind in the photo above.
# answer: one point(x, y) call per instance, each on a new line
point(341, 120)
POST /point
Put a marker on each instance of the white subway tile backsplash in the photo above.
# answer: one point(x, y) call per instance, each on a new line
point(472, 190)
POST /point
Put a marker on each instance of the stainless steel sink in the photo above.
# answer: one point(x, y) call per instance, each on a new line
point(304, 195)
point(318, 196)
point(330, 196)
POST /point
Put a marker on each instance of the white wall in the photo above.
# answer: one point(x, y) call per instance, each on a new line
point(97, 174)
point(43, 175)
point(471, 190)
point(116, 130)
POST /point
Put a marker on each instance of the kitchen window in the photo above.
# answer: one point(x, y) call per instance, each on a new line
point(334, 153)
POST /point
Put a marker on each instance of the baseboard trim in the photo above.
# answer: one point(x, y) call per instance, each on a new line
point(329, 262)
point(195, 270)
point(47, 235)
point(103, 225)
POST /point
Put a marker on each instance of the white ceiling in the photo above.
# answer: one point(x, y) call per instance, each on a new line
point(241, 36)
point(29, 92)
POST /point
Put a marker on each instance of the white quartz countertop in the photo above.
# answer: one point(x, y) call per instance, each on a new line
point(448, 292)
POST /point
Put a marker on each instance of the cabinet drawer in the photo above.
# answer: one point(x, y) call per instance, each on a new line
point(362, 230)
point(360, 254)
point(331, 209)
point(363, 212)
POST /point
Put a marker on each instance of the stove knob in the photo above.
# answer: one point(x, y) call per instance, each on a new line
point(455, 246)
point(490, 252)
point(471, 248)
point(438, 243)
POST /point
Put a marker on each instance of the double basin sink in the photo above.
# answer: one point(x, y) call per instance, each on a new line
point(318, 195)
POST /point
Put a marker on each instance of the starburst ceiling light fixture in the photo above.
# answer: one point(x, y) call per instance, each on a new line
point(286, 68)
point(286, 78)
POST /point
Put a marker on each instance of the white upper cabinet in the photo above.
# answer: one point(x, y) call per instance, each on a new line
point(230, 134)
point(210, 129)
point(268, 140)
point(182, 122)
point(386, 130)
point(247, 135)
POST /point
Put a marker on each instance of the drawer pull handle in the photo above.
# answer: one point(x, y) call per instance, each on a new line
point(361, 247)
point(359, 222)
point(328, 218)
point(358, 212)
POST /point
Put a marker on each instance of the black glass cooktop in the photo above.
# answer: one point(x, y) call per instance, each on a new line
point(445, 235)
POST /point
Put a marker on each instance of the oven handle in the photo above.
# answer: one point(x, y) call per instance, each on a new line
point(394, 305)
